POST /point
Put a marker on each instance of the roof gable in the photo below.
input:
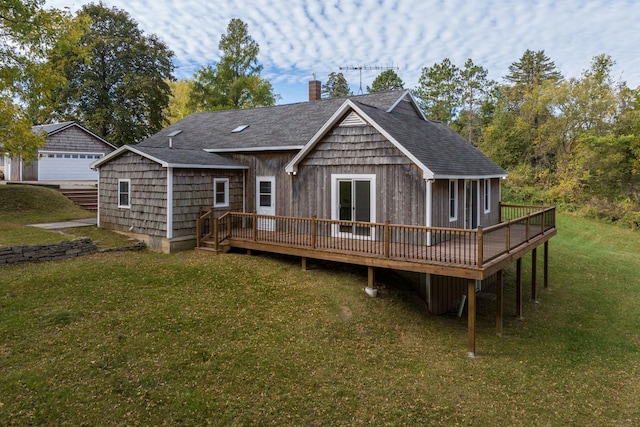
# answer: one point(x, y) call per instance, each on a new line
point(54, 128)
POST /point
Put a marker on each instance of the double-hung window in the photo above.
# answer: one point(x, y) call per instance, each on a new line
point(124, 193)
point(221, 192)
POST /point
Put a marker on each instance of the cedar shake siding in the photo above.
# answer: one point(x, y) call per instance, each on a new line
point(75, 139)
point(147, 214)
point(359, 150)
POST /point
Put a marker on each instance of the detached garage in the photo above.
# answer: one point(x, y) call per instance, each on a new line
point(69, 151)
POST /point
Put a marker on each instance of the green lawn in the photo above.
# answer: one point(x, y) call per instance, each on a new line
point(195, 339)
point(21, 205)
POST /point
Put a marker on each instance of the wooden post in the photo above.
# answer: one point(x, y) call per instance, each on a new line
point(387, 239)
point(480, 247)
point(534, 267)
point(215, 231)
point(508, 237)
point(228, 225)
point(254, 228)
point(304, 264)
point(471, 318)
point(546, 265)
point(314, 232)
point(519, 288)
point(528, 228)
point(371, 277)
point(499, 303)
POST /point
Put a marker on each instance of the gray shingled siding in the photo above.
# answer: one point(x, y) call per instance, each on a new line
point(440, 192)
point(400, 188)
point(193, 189)
point(148, 213)
point(75, 139)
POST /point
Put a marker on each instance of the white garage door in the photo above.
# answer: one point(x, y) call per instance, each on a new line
point(67, 167)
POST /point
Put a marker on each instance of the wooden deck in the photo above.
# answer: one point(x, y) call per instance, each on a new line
point(469, 254)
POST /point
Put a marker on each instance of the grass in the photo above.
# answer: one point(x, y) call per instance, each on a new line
point(196, 339)
point(21, 205)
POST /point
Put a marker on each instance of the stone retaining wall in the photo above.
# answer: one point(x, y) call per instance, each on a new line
point(47, 252)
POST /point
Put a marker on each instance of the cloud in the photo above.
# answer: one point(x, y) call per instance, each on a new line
point(300, 37)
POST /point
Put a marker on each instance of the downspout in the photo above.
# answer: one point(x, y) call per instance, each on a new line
point(98, 214)
point(429, 208)
point(244, 191)
point(169, 202)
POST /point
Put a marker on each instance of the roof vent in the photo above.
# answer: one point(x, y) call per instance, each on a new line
point(353, 120)
point(171, 135)
point(239, 128)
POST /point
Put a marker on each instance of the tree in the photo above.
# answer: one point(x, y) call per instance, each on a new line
point(116, 77)
point(178, 103)
point(235, 81)
point(474, 90)
point(336, 86)
point(26, 31)
point(439, 91)
point(386, 80)
point(533, 69)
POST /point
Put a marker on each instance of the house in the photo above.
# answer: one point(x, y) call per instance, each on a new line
point(369, 170)
point(371, 157)
point(69, 151)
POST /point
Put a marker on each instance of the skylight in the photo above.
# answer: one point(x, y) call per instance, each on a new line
point(240, 128)
point(174, 133)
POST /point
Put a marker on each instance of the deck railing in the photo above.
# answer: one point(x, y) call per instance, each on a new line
point(460, 247)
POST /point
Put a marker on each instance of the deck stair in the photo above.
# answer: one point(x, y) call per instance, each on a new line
point(86, 198)
point(208, 244)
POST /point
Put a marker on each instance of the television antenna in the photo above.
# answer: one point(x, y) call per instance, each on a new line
point(366, 68)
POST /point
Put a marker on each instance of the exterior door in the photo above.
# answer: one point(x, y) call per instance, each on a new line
point(472, 204)
point(354, 198)
point(266, 201)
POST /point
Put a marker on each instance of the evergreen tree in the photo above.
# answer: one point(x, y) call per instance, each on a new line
point(336, 86)
point(439, 91)
point(386, 80)
point(235, 81)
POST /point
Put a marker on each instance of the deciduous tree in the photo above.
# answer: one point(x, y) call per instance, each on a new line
point(116, 77)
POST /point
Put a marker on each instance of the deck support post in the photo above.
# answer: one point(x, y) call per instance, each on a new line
point(304, 263)
point(519, 288)
point(499, 303)
point(371, 276)
point(534, 268)
point(546, 265)
point(471, 322)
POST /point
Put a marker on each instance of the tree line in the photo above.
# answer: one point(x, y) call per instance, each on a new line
point(571, 141)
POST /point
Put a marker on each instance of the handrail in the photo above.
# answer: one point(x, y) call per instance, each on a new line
point(471, 248)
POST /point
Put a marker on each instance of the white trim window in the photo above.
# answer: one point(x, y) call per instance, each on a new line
point(487, 195)
point(221, 192)
point(124, 193)
point(453, 199)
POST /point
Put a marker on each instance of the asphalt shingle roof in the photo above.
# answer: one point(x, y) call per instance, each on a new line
point(292, 126)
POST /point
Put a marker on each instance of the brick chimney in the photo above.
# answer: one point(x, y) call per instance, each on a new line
point(315, 92)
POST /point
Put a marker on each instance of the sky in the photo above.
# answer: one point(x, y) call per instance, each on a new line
point(300, 39)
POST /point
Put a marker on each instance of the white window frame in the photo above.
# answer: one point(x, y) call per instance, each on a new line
point(120, 193)
point(486, 195)
point(453, 185)
point(225, 202)
point(335, 213)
